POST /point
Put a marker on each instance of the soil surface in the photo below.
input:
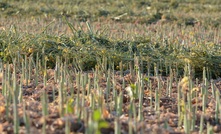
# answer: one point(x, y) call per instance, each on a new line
point(165, 120)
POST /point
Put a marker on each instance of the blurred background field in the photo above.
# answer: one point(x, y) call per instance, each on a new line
point(164, 30)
